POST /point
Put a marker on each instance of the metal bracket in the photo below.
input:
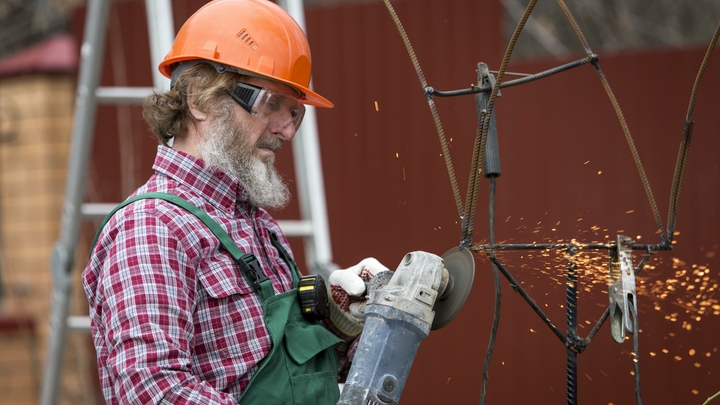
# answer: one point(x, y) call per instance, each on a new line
point(621, 283)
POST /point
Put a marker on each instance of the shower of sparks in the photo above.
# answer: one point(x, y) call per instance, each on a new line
point(692, 288)
point(686, 296)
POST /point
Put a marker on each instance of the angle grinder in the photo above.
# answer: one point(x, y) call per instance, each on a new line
point(425, 292)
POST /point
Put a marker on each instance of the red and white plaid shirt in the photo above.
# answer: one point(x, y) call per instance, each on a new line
point(173, 319)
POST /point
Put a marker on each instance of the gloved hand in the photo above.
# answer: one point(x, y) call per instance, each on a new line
point(346, 290)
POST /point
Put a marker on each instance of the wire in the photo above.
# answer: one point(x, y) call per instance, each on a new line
point(621, 118)
point(498, 298)
point(685, 142)
point(482, 133)
point(527, 79)
point(431, 104)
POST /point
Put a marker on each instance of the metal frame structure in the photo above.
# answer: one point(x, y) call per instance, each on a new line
point(622, 309)
point(623, 317)
point(313, 225)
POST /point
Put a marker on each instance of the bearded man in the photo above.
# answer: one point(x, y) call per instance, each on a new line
point(191, 284)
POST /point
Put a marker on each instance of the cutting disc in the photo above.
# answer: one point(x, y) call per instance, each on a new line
point(460, 264)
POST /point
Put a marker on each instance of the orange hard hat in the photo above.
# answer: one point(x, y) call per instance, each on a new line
point(253, 37)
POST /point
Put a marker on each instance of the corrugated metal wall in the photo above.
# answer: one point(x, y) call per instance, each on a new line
point(567, 174)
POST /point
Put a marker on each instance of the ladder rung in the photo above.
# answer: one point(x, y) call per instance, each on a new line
point(296, 227)
point(289, 227)
point(81, 323)
point(122, 95)
point(96, 210)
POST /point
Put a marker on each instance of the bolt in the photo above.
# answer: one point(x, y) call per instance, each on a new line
point(389, 384)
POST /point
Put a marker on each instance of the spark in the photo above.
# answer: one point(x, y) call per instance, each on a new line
point(376, 106)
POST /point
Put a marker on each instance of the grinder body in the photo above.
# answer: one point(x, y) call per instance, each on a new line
point(398, 316)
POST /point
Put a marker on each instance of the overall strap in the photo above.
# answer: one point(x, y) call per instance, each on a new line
point(248, 263)
point(286, 258)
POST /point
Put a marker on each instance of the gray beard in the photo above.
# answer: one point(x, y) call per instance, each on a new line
point(225, 146)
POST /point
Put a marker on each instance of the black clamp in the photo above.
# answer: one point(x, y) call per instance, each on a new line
point(252, 270)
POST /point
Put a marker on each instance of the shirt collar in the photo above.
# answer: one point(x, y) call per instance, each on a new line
point(211, 183)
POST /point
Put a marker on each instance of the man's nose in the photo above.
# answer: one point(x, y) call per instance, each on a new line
point(285, 133)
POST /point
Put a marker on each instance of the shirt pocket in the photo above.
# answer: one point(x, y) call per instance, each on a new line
point(229, 334)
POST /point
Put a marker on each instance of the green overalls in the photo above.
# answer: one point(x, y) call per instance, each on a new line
point(301, 367)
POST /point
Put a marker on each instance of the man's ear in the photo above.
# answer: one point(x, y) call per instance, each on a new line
point(195, 112)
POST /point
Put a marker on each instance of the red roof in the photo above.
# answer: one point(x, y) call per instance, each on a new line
point(58, 54)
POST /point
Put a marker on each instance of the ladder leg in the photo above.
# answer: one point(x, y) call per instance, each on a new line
point(309, 176)
point(62, 258)
point(162, 34)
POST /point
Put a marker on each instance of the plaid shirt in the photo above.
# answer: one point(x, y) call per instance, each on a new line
point(173, 319)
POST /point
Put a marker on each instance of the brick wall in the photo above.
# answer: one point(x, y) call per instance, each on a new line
point(35, 126)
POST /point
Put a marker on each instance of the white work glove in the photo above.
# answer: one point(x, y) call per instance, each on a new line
point(347, 295)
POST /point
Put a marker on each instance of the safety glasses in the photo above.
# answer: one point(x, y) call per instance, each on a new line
point(276, 110)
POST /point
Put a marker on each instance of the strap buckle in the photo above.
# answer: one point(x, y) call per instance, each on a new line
point(251, 268)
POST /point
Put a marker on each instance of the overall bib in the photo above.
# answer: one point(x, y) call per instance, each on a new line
point(301, 367)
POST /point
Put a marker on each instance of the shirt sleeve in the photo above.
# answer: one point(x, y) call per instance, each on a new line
point(144, 303)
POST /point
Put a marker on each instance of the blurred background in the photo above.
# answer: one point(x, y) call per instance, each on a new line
point(567, 174)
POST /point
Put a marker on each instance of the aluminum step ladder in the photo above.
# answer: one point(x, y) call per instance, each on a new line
point(312, 227)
